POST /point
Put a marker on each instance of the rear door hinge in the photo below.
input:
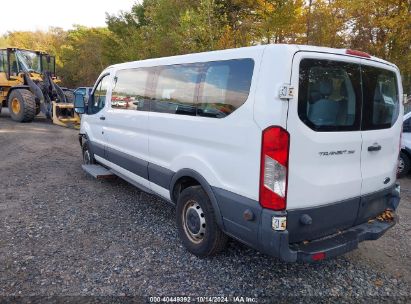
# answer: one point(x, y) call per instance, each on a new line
point(286, 91)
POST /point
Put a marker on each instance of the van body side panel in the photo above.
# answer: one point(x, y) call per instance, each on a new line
point(226, 154)
point(275, 71)
point(126, 125)
point(324, 167)
point(95, 137)
point(225, 151)
point(127, 140)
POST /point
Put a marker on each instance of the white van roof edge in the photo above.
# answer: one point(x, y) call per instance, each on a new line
point(293, 47)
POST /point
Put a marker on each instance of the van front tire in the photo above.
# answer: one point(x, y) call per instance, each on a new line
point(196, 223)
point(88, 156)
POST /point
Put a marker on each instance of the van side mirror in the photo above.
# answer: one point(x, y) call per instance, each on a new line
point(79, 103)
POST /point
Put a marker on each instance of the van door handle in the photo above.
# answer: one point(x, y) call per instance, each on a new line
point(102, 118)
point(375, 147)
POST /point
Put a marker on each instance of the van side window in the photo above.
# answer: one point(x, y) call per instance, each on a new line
point(381, 104)
point(129, 90)
point(329, 96)
point(98, 99)
point(225, 87)
point(176, 89)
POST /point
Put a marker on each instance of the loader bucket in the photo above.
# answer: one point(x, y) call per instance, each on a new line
point(65, 116)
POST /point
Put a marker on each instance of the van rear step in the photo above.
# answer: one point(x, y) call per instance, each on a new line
point(98, 171)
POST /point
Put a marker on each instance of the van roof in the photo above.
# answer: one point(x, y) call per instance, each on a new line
point(291, 48)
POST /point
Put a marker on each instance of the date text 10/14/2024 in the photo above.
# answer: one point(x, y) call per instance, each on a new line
point(204, 299)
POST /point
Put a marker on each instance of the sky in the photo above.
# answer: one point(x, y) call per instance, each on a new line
point(32, 15)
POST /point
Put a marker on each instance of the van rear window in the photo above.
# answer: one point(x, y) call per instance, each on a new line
point(329, 95)
point(381, 104)
point(341, 96)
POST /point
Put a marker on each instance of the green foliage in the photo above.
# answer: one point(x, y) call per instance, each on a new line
point(279, 21)
point(84, 55)
point(156, 28)
point(201, 28)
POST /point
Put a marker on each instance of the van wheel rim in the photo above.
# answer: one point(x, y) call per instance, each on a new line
point(194, 222)
point(15, 106)
point(86, 157)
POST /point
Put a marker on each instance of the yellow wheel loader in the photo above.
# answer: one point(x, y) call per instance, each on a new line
point(28, 86)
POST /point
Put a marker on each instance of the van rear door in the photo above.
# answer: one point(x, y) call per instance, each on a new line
point(325, 142)
point(381, 128)
point(325, 138)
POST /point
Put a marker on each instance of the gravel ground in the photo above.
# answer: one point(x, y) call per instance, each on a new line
point(63, 233)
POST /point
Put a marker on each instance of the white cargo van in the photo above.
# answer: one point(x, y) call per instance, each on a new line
point(289, 149)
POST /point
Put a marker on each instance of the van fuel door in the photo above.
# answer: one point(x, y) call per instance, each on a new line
point(286, 91)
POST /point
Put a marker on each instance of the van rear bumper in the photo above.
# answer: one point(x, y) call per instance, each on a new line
point(277, 243)
point(370, 228)
point(334, 229)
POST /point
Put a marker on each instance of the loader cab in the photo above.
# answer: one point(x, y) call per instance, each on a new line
point(48, 63)
point(3, 62)
point(16, 61)
point(13, 65)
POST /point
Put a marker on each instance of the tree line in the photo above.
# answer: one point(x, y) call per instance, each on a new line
point(156, 28)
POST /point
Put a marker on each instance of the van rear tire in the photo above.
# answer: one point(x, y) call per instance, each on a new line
point(404, 165)
point(196, 223)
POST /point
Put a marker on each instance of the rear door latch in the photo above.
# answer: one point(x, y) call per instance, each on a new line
point(286, 91)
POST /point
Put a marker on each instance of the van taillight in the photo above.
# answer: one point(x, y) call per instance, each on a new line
point(274, 168)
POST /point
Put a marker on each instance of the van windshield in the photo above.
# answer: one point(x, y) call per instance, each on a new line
point(340, 96)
